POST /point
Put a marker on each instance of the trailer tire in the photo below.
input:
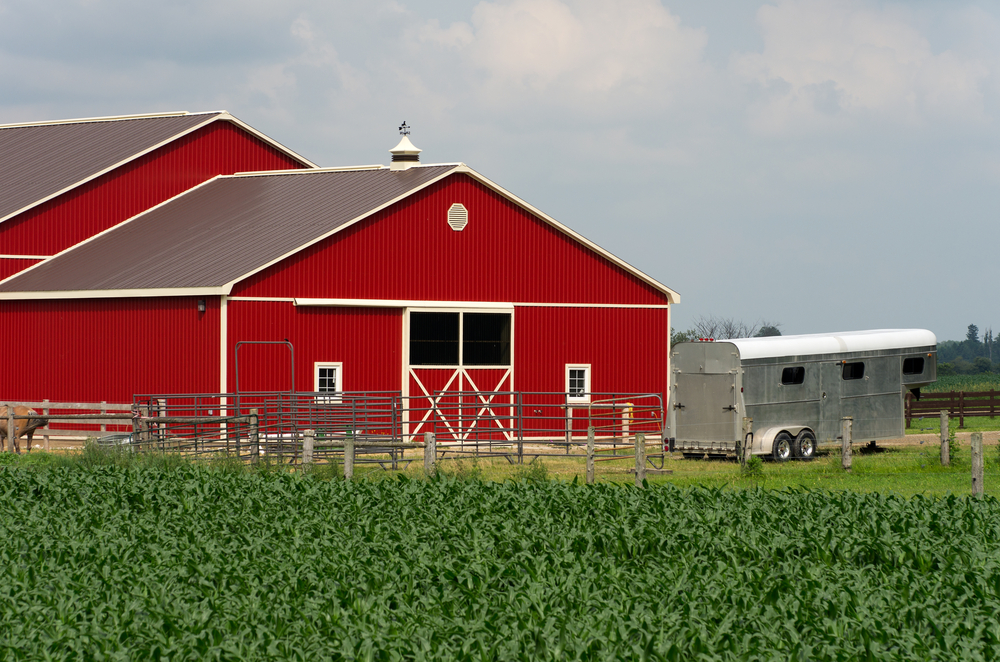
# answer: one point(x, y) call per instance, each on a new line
point(805, 445)
point(781, 450)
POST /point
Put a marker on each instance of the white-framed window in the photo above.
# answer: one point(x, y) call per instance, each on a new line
point(578, 382)
point(328, 378)
point(460, 338)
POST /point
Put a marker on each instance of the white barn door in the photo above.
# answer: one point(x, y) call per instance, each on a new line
point(459, 373)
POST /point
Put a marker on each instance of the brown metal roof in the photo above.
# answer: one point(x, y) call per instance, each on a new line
point(40, 160)
point(221, 231)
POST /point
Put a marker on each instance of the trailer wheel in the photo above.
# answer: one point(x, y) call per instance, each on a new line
point(805, 445)
point(782, 448)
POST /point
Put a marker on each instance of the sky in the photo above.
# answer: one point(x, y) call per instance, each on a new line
point(823, 165)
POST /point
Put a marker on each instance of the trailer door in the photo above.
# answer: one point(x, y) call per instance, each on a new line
point(706, 408)
point(830, 411)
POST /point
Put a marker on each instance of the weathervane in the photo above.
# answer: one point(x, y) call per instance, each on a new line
point(403, 129)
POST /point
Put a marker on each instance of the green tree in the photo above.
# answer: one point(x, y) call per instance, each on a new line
point(972, 335)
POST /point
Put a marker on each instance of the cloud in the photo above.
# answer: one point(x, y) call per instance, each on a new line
point(596, 58)
point(828, 64)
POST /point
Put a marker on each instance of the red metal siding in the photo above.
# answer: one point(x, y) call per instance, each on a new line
point(408, 251)
point(367, 341)
point(109, 349)
point(219, 148)
point(10, 266)
point(626, 348)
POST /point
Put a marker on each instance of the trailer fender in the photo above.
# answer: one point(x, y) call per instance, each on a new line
point(763, 440)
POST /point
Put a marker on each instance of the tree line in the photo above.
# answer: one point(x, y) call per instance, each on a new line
point(972, 356)
point(724, 328)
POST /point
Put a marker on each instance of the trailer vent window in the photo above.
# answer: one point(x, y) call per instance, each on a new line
point(854, 370)
point(795, 375)
point(914, 366)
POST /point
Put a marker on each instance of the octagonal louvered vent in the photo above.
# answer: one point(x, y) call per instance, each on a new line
point(458, 217)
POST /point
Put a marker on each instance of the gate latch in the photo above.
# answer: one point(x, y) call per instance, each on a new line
point(729, 408)
point(678, 405)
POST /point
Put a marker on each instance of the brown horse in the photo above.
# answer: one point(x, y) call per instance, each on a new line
point(23, 427)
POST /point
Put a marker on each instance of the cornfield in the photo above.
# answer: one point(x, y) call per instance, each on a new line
point(191, 564)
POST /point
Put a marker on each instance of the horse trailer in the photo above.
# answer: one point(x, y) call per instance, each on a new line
point(797, 389)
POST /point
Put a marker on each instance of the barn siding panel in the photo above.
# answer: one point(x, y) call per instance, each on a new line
point(408, 251)
point(367, 341)
point(109, 349)
point(219, 148)
point(626, 347)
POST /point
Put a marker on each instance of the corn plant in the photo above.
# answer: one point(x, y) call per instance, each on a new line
point(193, 563)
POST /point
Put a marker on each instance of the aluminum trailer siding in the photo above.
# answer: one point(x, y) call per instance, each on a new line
point(796, 389)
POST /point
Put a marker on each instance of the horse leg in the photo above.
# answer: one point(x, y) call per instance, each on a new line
point(31, 433)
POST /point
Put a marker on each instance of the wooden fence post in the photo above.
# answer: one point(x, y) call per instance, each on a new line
point(161, 428)
point(961, 409)
point(11, 428)
point(144, 426)
point(136, 438)
point(640, 458)
point(104, 410)
point(590, 455)
point(430, 453)
point(746, 446)
point(977, 463)
point(254, 436)
point(569, 427)
point(308, 439)
point(45, 437)
point(945, 453)
point(847, 427)
point(349, 456)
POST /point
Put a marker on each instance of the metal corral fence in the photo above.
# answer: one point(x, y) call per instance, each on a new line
point(381, 425)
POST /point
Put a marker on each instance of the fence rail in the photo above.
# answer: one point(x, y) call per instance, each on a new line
point(70, 424)
point(381, 425)
point(957, 403)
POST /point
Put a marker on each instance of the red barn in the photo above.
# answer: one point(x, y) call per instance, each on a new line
point(410, 278)
point(67, 180)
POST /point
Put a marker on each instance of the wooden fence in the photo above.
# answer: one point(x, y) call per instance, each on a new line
point(956, 403)
point(101, 415)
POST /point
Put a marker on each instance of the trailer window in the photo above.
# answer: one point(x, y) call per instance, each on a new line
point(854, 370)
point(795, 375)
point(914, 366)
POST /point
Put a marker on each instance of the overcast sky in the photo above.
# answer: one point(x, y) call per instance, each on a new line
point(828, 165)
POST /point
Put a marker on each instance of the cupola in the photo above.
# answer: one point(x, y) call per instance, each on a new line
point(405, 154)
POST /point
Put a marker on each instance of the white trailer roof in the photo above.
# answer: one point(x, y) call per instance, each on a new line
point(832, 343)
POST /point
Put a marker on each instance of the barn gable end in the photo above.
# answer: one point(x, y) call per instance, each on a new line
point(409, 251)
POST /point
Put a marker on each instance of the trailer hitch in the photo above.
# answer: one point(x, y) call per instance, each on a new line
point(729, 408)
point(678, 405)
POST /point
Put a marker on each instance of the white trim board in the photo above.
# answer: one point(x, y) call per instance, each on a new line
point(408, 303)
